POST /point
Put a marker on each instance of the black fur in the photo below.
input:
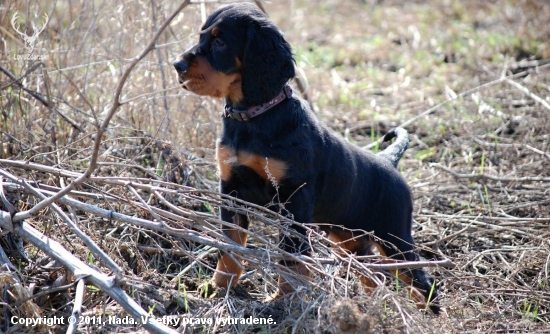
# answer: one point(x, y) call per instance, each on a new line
point(267, 62)
point(328, 181)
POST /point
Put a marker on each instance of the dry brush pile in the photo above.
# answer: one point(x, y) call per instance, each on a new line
point(108, 185)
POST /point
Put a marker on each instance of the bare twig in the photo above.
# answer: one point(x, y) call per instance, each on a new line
point(527, 92)
point(527, 146)
point(77, 307)
point(38, 96)
point(484, 176)
point(461, 95)
point(87, 240)
point(104, 126)
point(107, 284)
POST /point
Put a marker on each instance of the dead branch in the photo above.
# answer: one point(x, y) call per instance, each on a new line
point(527, 92)
point(77, 308)
point(483, 176)
point(461, 95)
point(107, 284)
point(76, 230)
point(104, 126)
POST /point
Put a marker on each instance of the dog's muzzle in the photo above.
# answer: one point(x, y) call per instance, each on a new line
point(181, 66)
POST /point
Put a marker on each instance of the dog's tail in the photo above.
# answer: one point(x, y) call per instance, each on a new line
point(395, 151)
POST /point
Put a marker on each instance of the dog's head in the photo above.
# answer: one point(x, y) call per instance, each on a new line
point(241, 56)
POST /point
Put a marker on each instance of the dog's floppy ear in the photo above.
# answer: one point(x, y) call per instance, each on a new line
point(267, 63)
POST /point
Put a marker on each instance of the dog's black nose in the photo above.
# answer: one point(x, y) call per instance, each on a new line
point(181, 66)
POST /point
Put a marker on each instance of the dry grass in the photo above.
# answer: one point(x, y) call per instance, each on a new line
point(477, 164)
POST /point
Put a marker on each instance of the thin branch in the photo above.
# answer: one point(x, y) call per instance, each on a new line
point(76, 230)
point(231, 246)
point(104, 126)
point(38, 96)
point(458, 96)
point(105, 283)
point(20, 85)
point(496, 145)
point(483, 176)
point(77, 307)
point(527, 92)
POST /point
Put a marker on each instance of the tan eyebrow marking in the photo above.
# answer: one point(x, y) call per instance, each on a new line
point(212, 26)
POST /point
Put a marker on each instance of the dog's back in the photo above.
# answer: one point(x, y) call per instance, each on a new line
point(275, 152)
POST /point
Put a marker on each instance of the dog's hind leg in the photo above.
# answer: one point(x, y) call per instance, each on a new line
point(358, 245)
point(420, 285)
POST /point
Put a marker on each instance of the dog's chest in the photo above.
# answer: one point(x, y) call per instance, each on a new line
point(229, 159)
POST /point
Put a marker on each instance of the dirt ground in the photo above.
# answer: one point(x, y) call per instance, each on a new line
point(469, 80)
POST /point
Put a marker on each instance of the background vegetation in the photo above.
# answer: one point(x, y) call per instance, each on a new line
point(470, 81)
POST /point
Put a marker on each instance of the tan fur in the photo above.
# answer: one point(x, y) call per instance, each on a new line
point(228, 271)
point(225, 157)
point(345, 240)
point(268, 168)
point(287, 286)
point(202, 79)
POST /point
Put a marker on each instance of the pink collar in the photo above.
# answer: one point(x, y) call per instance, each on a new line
point(246, 115)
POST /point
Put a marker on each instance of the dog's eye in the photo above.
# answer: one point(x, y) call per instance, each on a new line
point(218, 43)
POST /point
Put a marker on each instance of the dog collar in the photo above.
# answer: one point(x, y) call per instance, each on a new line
point(246, 115)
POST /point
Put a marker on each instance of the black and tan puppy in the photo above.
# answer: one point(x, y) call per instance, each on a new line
point(274, 150)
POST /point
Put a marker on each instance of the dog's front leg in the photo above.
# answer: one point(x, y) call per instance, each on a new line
point(296, 272)
point(229, 268)
point(293, 240)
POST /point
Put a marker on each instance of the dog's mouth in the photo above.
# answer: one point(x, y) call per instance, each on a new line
point(195, 85)
point(185, 83)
